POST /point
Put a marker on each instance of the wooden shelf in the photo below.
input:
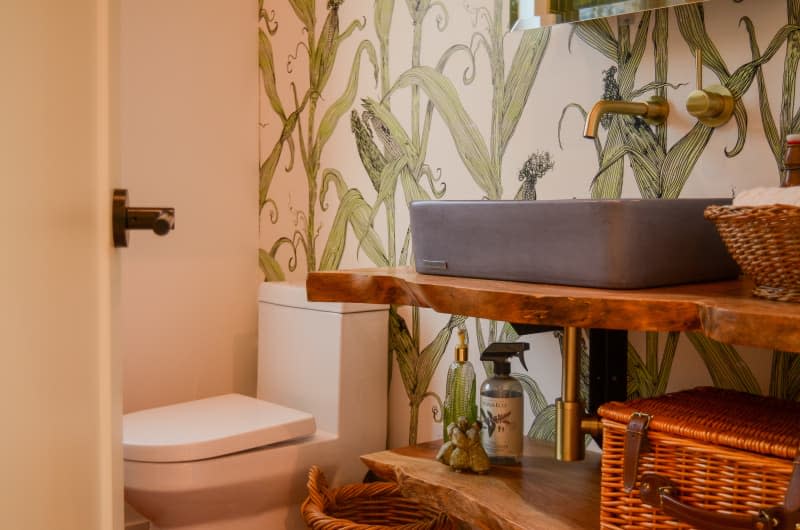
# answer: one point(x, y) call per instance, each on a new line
point(543, 493)
point(724, 311)
point(539, 494)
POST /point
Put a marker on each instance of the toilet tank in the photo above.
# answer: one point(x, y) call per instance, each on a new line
point(326, 358)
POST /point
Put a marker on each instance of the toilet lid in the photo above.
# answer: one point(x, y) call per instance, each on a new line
point(210, 427)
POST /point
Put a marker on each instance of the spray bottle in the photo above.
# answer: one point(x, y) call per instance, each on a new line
point(501, 407)
point(459, 397)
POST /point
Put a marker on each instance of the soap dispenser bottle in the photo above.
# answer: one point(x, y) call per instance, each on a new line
point(459, 394)
point(501, 407)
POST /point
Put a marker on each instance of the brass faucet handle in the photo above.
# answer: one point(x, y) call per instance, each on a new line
point(712, 106)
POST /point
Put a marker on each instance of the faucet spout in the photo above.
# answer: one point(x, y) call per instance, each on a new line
point(654, 112)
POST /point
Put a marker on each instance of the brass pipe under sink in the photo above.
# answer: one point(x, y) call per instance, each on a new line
point(572, 422)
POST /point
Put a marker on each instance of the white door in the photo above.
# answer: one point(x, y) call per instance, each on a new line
point(60, 410)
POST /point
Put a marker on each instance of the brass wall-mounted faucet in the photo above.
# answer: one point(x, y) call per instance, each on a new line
point(654, 111)
point(713, 105)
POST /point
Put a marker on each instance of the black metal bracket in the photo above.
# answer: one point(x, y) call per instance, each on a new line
point(608, 367)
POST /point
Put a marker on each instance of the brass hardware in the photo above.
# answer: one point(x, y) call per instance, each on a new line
point(655, 112)
point(124, 218)
point(572, 423)
point(712, 106)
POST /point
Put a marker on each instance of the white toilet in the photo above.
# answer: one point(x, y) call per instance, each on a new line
point(234, 462)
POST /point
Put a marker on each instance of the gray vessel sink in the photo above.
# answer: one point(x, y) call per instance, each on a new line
point(617, 244)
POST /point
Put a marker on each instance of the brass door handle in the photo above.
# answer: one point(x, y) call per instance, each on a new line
point(123, 218)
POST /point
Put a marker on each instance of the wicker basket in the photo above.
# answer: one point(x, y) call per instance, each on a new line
point(722, 451)
point(765, 242)
point(373, 506)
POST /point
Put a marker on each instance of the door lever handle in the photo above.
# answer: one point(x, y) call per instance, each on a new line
point(124, 218)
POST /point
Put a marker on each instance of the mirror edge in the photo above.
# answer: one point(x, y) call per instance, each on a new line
point(522, 12)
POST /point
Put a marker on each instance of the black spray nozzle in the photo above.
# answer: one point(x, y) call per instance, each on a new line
point(499, 353)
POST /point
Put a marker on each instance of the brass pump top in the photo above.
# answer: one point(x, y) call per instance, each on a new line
point(462, 350)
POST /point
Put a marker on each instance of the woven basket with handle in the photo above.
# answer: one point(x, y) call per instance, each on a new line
point(705, 459)
point(373, 506)
point(765, 242)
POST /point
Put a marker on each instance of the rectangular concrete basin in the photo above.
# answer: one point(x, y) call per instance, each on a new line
point(617, 244)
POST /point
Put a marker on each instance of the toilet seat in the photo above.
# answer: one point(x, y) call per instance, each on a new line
point(209, 428)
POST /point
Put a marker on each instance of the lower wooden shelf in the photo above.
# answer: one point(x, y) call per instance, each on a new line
point(539, 494)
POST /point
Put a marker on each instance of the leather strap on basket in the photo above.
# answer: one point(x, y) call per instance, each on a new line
point(658, 491)
point(635, 442)
point(792, 500)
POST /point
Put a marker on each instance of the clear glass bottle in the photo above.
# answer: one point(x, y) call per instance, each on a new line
point(459, 394)
point(502, 416)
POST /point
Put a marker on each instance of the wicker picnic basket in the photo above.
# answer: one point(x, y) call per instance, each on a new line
point(372, 506)
point(765, 242)
point(705, 459)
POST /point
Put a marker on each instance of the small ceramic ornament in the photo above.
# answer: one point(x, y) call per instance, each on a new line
point(464, 450)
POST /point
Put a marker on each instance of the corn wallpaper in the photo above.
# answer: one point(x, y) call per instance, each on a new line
point(367, 105)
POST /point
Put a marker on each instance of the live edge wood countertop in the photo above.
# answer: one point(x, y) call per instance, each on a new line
point(724, 311)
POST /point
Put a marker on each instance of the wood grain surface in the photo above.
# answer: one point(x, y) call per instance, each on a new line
point(539, 494)
point(724, 311)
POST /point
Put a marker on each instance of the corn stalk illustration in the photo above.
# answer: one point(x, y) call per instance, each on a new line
point(662, 172)
point(395, 156)
point(306, 134)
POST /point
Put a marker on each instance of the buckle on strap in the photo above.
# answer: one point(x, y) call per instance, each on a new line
point(635, 443)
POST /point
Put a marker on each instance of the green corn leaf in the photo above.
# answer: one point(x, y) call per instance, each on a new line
point(681, 159)
point(266, 64)
point(355, 211)
point(597, 34)
point(270, 267)
point(383, 10)
point(725, 366)
point(522, 74)
point(411, 188)
point(667, 358)
point(266, 172)
point(630, 57)
point(770, 129)
point(607, 184)
point(646, 157)
point(651, 347)
point(267, 169)
point(535, 396)
point(306, 12)
point(661, 58)
point(650, 87)
point(544, 425)
point(418, 8)
point(640, 383)
point(470, 144)
point(508, 333)
point(401, 345)
point(329, 176)
point(785, 377)
point(388, 184)
point(334, 113)
point(692, 27)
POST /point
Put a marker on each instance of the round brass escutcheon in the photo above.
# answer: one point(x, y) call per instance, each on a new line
point(712, 106)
